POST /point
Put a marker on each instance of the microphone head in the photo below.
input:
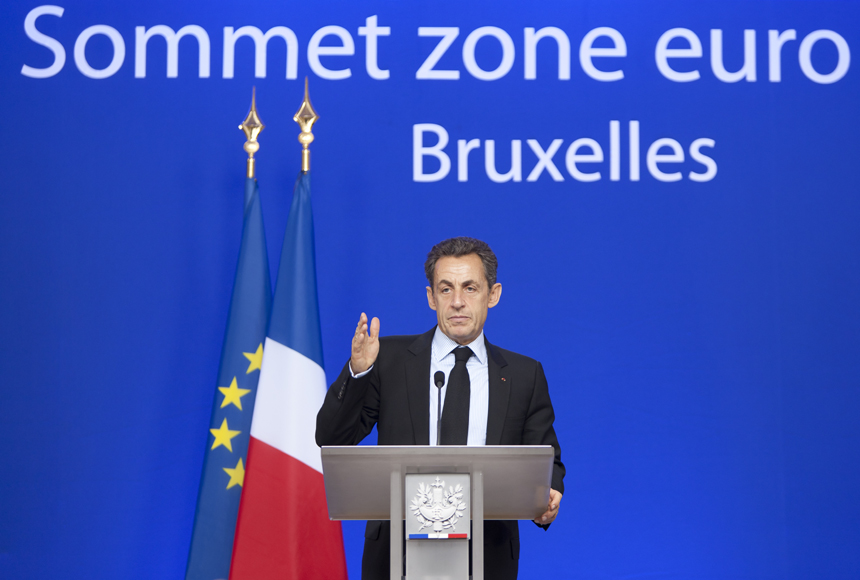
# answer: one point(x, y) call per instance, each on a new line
point(439, 379)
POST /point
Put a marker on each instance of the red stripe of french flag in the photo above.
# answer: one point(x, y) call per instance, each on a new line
point(283, 530)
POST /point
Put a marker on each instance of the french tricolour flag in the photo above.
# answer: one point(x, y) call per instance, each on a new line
point(283, 530)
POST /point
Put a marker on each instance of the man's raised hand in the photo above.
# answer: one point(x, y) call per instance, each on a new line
point(365, 345)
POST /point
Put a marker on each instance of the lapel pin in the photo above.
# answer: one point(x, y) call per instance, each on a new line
point(503, 378)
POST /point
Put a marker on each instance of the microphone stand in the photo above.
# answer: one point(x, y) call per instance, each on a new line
point(439, 379)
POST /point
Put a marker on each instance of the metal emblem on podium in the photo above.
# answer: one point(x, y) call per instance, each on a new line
point(437, 506)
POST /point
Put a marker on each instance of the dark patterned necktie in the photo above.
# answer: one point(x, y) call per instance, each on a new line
point(455, 412)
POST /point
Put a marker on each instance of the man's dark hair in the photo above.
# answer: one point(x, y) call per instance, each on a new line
point(459, 247)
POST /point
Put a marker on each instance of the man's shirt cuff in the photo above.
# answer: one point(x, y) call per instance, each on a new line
point(359, 375)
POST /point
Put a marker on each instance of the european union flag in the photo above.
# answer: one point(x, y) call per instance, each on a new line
point(230, 425)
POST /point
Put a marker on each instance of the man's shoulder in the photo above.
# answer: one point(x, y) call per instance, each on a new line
point(403, 342)
point(512, 358)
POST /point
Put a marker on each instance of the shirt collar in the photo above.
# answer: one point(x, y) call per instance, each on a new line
point(443, 345)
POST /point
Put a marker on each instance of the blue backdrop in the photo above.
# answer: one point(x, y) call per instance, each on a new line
point(700, 336)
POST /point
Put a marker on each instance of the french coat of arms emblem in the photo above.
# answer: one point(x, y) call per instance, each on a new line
point(438, 507)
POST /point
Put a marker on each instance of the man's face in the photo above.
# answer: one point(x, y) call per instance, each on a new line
point(461, 296)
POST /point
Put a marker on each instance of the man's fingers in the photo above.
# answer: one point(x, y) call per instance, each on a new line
point(551, 509)
point(541, 519)
point(547, 517)
point(360, 331)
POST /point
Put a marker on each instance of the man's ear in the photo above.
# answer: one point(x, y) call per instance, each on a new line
point(495, 294)
point(431, 300)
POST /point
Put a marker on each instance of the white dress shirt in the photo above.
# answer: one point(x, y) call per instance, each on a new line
point(442, 359)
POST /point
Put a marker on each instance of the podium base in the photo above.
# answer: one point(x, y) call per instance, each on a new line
point(437, 560)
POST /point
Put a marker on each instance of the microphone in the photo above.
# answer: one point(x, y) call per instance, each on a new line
point(439, 379)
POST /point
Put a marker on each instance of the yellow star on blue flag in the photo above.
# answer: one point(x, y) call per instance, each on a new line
point(237, 475)
point(223, 436)
point(256, 359)
point(233, 394)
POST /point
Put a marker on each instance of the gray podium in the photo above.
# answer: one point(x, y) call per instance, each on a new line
point(438, 491)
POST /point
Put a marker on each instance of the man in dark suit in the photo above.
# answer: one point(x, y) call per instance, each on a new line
point(492, 397)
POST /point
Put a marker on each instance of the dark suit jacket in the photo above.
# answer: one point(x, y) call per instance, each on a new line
point(395, 397)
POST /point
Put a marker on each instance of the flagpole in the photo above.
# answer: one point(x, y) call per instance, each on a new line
point(222, 482)
point(306, 116)
point(252, 125)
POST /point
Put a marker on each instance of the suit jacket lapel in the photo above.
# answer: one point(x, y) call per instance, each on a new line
point(500, 390)
point(418, 387)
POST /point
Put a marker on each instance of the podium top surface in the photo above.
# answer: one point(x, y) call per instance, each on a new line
point(358, 478)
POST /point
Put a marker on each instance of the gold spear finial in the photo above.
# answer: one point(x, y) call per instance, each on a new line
point(252, 125)
point(306, 116)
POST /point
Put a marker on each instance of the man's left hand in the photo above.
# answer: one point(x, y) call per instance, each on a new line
point(551, 509)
